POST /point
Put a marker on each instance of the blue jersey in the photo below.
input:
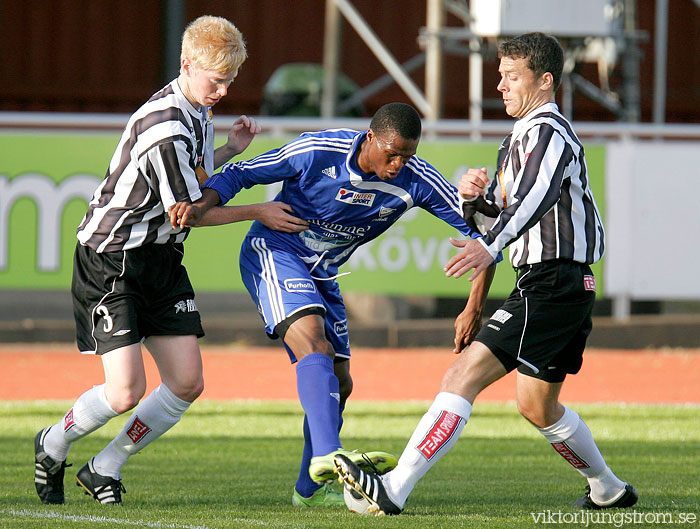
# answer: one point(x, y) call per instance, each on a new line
point(344, 206)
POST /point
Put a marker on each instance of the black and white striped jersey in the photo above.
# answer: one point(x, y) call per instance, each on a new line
point(152, 167)
point(540, 197)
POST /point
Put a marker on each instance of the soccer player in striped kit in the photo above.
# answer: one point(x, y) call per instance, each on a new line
point(129, 285)
point(541, 205)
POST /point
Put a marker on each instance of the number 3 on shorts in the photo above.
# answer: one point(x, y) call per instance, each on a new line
point(102, 310)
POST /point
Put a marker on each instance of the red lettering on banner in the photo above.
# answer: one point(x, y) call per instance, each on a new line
point(569, 455)
point(137, 431)
point(589, 283)
point(68, 421)
point(442, 431)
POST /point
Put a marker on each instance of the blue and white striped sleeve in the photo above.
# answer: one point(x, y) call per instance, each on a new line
point(273, 166)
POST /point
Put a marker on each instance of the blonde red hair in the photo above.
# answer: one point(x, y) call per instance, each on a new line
point(213, 43)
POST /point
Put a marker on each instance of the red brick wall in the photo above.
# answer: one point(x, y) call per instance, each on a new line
point(81, 55)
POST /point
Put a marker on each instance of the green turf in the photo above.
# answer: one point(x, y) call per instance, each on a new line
point(233, 465)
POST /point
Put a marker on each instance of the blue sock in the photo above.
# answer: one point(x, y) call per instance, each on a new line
point(305, 485)
point(319, 395)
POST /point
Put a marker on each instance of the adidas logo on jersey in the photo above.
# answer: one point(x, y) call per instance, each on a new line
point(330, 171)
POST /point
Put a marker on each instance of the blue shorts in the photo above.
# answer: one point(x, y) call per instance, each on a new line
point(282, 288)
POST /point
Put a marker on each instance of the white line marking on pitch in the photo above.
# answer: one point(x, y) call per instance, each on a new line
point(104, 519)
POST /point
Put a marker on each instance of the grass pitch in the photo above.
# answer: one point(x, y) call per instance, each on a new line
point(233, 465)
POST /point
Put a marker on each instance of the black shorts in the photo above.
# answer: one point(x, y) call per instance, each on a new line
point(120, 298)
point(543, 325)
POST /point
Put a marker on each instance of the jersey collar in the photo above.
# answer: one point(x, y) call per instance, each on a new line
point(204, 111)
point(522, 123)
point(352, 164)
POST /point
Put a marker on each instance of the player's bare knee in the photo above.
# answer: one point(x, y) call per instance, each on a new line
point(189, 390)
point(196, 390)
point(450, 380)
point(527, 412)
point(310, 345)
point(323, 346)
point(459, 381)
point(193, 393)
point(536, 414)
point(125, 399)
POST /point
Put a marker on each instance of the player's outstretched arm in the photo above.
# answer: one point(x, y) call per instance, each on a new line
point(472, 256)
point(277, 216)
point(468, 322)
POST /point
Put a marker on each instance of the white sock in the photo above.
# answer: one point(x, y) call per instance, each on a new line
point(572, 439)
point(154, 416)
point(435, 434)
point(89, 412)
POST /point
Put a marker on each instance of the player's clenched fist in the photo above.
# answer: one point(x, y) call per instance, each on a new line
point(183, 214)
point(473, 183)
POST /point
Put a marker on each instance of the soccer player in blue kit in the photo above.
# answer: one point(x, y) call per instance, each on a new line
point(348, 186)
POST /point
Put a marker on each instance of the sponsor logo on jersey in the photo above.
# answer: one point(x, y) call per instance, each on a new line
point(339, 230)
point(341, 327)
point(330, 235)
point(299, 285)
point(122, 332)
point(68, 421)
point(384, 213)
point(589, 283)
point(330, 171)
point(442, 431)
point(336, 396)
point(568, 454)
point(355, 198)
point(501, 316)
point(185, 306)
point(137, 431)
point(320, 242)
point(492, 326)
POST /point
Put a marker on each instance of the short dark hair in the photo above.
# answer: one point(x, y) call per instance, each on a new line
point(397, 117)
point(543, 52)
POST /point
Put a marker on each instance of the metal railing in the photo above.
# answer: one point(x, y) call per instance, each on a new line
point(281, 126)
